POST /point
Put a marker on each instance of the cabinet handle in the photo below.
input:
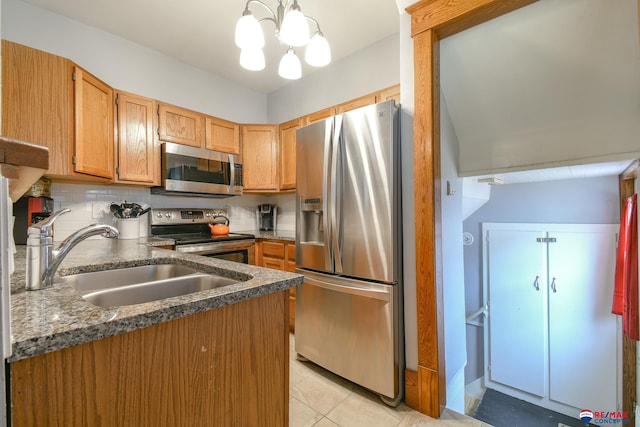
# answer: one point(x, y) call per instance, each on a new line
point(553, 285)
point(536, 283)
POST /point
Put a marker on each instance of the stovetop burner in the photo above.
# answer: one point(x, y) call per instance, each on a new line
point(191, 226)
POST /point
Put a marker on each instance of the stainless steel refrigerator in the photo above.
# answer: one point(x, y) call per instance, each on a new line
point(348, 245)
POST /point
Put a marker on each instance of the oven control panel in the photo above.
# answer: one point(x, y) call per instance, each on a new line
point(171, 216)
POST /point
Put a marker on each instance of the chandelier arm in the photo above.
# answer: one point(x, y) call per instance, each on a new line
point(273, 15)
point(315, 22)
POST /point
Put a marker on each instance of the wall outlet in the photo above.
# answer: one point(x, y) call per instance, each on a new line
point(99, 210)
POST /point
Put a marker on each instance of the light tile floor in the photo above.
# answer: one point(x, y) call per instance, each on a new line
point(320, 398)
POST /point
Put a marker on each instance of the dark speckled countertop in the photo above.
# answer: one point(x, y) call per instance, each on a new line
point(56, 318)
point(273, 235)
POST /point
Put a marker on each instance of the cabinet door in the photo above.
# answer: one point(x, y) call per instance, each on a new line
point(288, 155)
point(356, 103)
point(93, 148)
point(517, 302)
point(222, 135)
point(583, 333)
point(138, 155)
point(319, 115)
point(180, 125)
point(37, 99)
point(260, 157)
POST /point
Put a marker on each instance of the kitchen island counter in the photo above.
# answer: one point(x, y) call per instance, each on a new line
point(56, 318)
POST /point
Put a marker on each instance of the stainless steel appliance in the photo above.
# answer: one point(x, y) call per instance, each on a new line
point(192, 171)
point(6, 267)
point(189, 228)
point(348, 246)
point(267, 217)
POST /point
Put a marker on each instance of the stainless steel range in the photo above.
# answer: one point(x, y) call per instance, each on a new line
point(189, 228)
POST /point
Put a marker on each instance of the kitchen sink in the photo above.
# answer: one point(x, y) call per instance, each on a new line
point(135, 285)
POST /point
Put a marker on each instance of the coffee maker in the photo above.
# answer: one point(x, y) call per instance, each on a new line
point(267, 215)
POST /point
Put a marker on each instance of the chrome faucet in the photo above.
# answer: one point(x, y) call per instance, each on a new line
point(43, 260)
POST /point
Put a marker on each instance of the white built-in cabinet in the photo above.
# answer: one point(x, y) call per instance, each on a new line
point(550, 337)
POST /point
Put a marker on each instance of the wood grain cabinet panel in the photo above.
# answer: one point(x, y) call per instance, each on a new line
point(389, 93)
point(288, 154)
point(319, 115)
point(225, 367)
point(138, 155)
point(179, 125)
point(280, 255)
point(356, 103)
point(37, 100)
point(93, 106)
point(222, 135)
point(260, 158)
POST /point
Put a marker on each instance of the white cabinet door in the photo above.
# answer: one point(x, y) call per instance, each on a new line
point(583, 349)
point(558, 347)
point(517, 303)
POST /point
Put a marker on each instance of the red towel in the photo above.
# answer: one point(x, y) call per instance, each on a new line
point(625, 293)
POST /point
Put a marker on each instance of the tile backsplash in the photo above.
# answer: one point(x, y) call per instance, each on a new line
point(89, 203)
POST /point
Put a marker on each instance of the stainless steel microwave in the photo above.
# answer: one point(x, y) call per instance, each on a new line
point(192, 171)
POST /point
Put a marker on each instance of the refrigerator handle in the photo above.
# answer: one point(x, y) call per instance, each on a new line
point(326, 185)
point(336, 193)
point(379, 294)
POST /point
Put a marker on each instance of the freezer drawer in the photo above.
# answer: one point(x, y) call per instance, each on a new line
point(351, 328)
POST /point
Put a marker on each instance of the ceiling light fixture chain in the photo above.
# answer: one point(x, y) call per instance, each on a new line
point(292, 30)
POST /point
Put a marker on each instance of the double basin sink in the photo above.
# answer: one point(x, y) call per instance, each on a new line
point(146, 283)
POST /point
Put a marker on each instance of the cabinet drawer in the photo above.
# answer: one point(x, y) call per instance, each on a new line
point(273, 249)
point(276, 264)
point(291, 252)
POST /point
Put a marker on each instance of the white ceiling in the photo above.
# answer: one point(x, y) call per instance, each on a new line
point(200, 32)
point(550, 62)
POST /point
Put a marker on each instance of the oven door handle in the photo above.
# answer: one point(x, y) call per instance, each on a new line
point(215, 248)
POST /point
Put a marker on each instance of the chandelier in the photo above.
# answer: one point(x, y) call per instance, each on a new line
point(292, 30)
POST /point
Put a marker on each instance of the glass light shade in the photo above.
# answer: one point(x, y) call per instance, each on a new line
point(249, 32)
point(295, 29)
point(252, 59)
point(318, 52)
point(290, 67)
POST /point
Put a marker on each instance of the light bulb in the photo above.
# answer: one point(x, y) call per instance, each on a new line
point(252, 59)
point(318, 52)
point(294, 30)
point(290, 67)
point(249, 32)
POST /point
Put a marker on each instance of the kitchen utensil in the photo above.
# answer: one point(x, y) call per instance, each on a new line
point(116, 210)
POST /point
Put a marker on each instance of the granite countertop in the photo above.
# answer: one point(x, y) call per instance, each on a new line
point(56, 318)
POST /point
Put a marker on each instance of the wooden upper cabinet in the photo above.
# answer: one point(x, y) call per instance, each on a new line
point(222, 135)
point(319, 115)
point(288, 154)
point(138, 155)
point(179, 125)
point(93, 106)
point(389, 93)
point(260, 157)
point(356, 103)
point(37, 99)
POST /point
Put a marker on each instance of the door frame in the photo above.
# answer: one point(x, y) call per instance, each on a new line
point(432, 20)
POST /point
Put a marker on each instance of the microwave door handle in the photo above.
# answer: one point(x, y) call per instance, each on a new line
point(232, 175)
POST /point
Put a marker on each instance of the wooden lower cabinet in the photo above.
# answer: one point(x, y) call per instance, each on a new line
point(280, 255)
point(223, 367)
